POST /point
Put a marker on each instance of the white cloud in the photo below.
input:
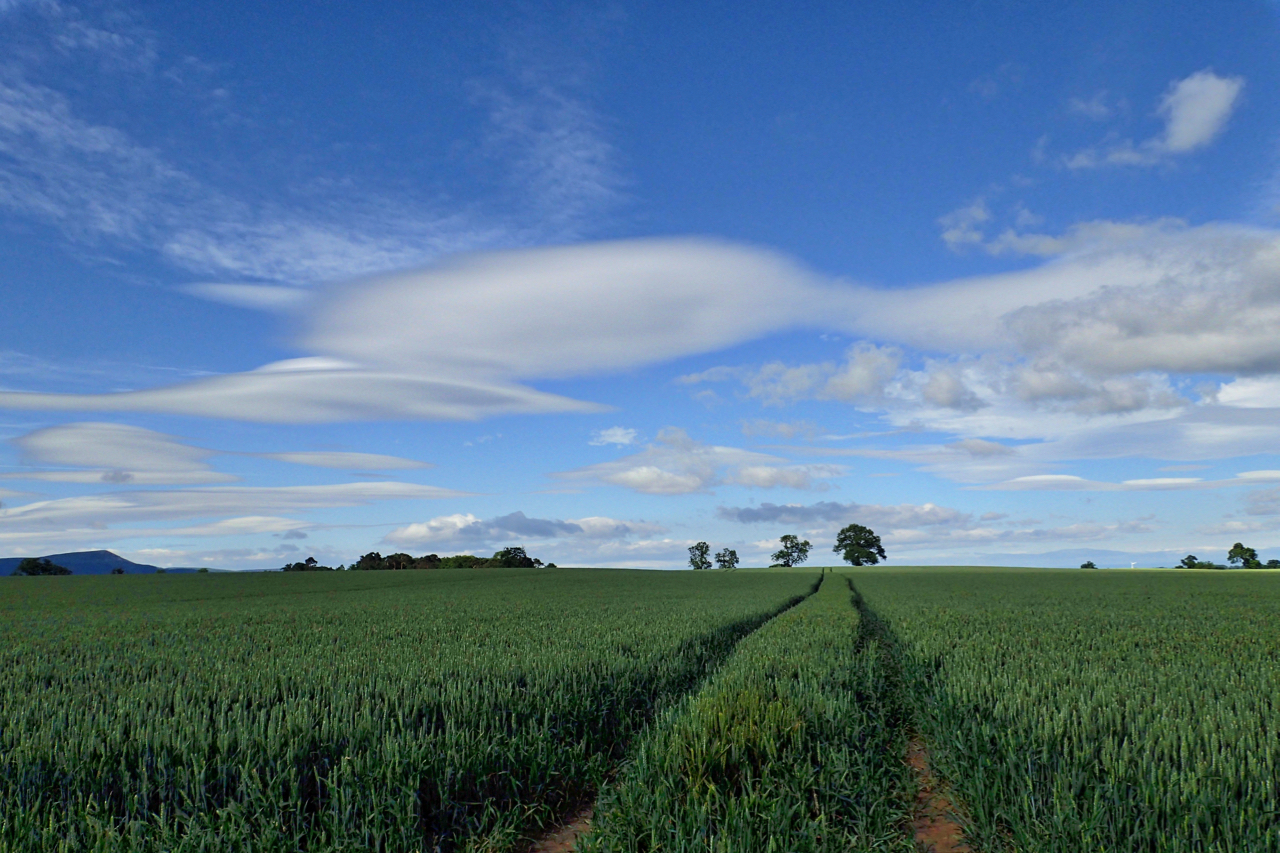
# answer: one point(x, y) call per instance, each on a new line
point(463, 530)
point(438, 343)
point(345, 461)
point(621, 436)
point(92, 515)
point(114, 453)
point(676, 465)
point(840, 514)
point(963, 227)
point(1195, 110)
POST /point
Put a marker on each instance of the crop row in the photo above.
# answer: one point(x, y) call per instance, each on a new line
point(396, 712)
point(795, 744)
point(1086, 712)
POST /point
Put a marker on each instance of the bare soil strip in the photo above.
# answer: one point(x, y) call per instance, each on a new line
point(936, 830)
point(565, 838)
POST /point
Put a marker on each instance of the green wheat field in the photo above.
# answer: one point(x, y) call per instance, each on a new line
point(473, 710)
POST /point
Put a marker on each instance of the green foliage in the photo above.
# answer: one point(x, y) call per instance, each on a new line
point(1191, 561)
point(792, 553)
point(727, 558)
point(1088, 564)
point(792, 746)
point(514, 558)
point(118, 570)
point(1243, 557)
point(307, 565)
point(327, 711)
point(859, 546)
point(33, 567)
point(1099, 711)
point(698, 556)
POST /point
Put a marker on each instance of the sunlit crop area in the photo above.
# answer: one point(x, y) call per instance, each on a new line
point(1083, 711)
point(794, 745)
point(473, 710)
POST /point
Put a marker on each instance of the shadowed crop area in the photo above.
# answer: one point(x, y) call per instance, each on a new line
point(409, 711)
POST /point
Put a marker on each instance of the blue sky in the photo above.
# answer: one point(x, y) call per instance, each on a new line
point(605, 280)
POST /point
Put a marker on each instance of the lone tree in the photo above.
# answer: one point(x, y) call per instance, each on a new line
point(698, 555)
point(32, 566)
point(1089, 564)
point(514, 557)
point(1242, 557)
point(727, 559)
point(793, 551)
point(859, 546)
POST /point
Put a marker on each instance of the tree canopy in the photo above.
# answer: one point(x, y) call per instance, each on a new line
point(698, 556)
point(33, 566)
point(859, 546)
point(793, 552)
point(727, 558)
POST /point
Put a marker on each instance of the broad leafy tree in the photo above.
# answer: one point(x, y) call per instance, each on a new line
point(33, 566)
point(793, 552)
point(727, 559)
point(1246, 558)
point(698, 555)
point(1089, 564)
point(859, 546)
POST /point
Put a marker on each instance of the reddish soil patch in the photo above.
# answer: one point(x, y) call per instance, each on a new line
point(935, 826)
point(565, 838)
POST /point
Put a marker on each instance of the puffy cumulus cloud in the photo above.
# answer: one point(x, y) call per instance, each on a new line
point(620, 436)
point(463, 530)
point(675, 464)
point(1195, 111)
point(862, 375)
point(114, 453)
point(344, 461)
point(947, 389)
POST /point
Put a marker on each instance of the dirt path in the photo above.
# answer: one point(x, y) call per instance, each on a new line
point(565, 838)
point(935, 828)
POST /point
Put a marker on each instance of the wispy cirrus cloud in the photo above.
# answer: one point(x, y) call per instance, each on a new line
point(102, 187)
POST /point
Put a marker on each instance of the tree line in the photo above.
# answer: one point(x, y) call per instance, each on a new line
point(857, 545)
point(514, 557)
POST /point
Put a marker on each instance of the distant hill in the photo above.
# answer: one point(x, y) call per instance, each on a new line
point(87, 563)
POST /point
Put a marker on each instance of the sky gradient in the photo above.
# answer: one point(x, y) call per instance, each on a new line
point(603, 280)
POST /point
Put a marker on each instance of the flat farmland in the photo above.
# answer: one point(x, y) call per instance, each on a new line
point(1096, 710)
point(476, 710)
point(388, 711)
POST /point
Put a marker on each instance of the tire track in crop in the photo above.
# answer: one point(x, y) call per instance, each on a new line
point(934, 825)
point(563, 836)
